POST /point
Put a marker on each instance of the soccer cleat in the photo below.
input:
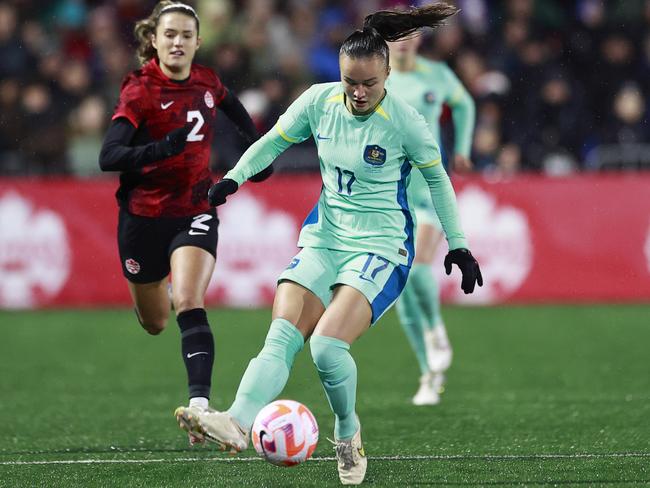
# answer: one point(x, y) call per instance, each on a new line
point(194, 440)
point(438, 348)
point(187, 418)
point(427, 393)
point(439, 380)
point(351, 458)
point(222, 429)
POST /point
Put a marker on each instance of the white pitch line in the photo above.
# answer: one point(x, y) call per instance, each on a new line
point(456, 457)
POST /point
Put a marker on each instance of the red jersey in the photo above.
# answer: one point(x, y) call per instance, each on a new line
point(176, 186)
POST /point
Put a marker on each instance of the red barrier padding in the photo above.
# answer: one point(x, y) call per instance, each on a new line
point(576, 239)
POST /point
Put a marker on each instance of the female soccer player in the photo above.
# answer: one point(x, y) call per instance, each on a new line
point(426, 85)
point(357, 243)
point(160, 140)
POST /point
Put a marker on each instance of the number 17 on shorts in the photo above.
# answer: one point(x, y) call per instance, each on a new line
point(321, 270)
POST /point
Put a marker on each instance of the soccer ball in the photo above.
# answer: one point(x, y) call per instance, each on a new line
point(285, 433)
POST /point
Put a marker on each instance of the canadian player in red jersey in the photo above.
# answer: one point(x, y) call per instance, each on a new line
point(160, 140)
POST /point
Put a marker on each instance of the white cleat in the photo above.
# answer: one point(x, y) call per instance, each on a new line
point(187, 418)
point(217, 427)
point(438, 347)
point(439, 380)
point(427, 394)
point(351, 458)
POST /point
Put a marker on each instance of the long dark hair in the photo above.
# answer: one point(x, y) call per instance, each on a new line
point(146, 28)
point(393, 25)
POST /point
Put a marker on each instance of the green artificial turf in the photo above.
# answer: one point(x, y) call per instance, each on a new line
point(536, 396)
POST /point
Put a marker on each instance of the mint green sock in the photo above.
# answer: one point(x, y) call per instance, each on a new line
point(267, 373)
point(427, 292)
point(412, 320)
point(338, 374)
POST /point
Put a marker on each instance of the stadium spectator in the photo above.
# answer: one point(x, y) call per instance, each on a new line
point(623, 142)
point(10, 131)
point(629, 124)
point(43, 142)
point(502, 48)
point(508, 161)
point(87, 126)
point(13, 59)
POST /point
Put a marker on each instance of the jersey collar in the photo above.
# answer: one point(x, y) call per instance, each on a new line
point(377, 110)
point(154, 68)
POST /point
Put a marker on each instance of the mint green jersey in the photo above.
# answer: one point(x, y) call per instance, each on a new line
point(427, 88)
point(366, 164)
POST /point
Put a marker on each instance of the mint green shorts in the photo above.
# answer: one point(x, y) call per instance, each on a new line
point(321, 270)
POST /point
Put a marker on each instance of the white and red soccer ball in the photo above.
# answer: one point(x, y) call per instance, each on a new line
point(285, 433)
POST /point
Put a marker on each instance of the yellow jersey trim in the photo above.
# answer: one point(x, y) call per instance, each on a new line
point(335, 98)
point(422, 68)
point(429, 164)
point(456, 96)
point(380, 110)
point(341, 98)
point(284, 134)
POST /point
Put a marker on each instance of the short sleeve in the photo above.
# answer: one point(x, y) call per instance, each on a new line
point(133, 101)
point(293, 125)
point(419, 144)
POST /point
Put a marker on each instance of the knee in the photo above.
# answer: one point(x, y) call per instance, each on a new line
point(153, 328)
point(328, 353)
point(185, 303)
point(317, 350)
point(154, 325)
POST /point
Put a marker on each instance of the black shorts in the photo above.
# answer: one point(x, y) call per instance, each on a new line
point(146, 243)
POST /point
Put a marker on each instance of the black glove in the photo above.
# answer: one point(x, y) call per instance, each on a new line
point(262, 175)
point(220, 190)
point(468, 267)
point(174, 142)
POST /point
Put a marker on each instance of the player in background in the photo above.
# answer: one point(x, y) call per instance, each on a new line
point(160, 139)
point(426, 85)
point(358, 241)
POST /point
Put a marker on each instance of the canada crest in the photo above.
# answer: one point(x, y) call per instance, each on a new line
point(209, 99)
point(132, 266)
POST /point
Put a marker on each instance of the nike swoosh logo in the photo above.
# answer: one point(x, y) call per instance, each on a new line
point(165, 106)
point(322, 138)
point(195, 354)
point(192, 232)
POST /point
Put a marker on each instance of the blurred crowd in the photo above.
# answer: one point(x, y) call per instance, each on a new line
point(560, 86)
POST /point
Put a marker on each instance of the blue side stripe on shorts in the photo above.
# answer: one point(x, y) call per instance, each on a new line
point(404, 204)
point(390, 292)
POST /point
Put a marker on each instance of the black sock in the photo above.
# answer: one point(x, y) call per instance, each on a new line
point(197, 346)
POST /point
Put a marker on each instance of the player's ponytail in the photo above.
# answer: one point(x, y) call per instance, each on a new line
point(393, 25)
point(145, 29)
